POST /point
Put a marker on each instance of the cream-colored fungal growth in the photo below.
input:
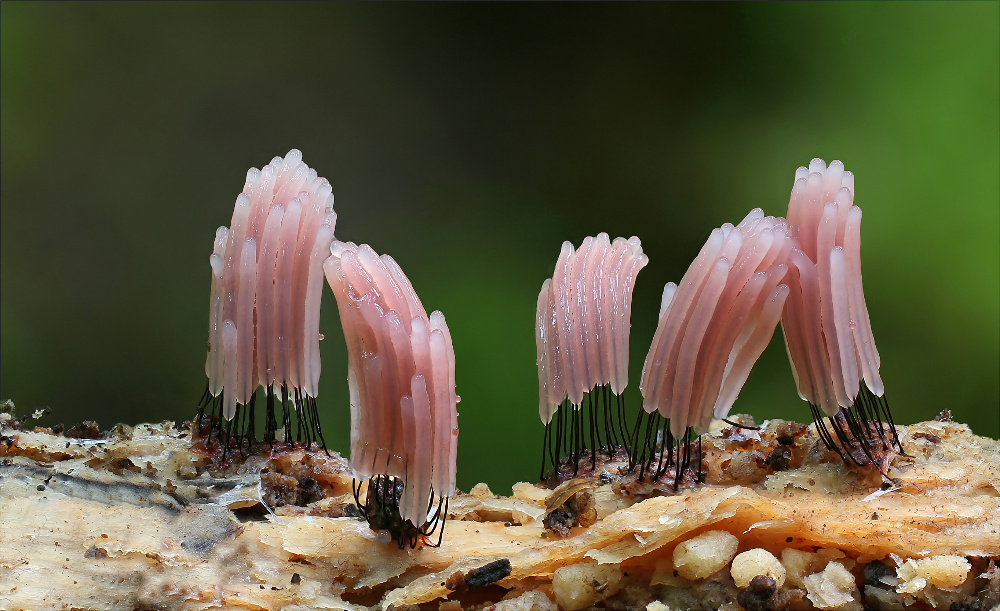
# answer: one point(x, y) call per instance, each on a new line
point(581, 586)
point(401, 376)
point(716, 323)
point(529, 601)
point(701, 556)
point(266, 285)
point(833, 588)
point(751, 563)
point(941, 571)
point(583, 320)
point(827, 331)
point(798, 564)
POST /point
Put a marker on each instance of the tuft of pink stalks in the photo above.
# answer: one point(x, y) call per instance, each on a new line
point(401, 375)
point(714, 325)
point(583, 320)
point(266, 288)
point(582, 331)
point(827, 330)
point(804, 271)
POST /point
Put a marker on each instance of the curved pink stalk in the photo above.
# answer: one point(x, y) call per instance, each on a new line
point(213, 364)
point(445, 421)
point(825, 241)
point(612, 303)
point(588, 312)
point(791, 327)
point(246, 373)
point(266, 267)
point(448, 400)
point(314, 293)
point(812, 331)
point(572, 321)
point(545, 408)
point(230, 367)
point(283, 363)
point(748, 355)
point(562, 371)
point(420, 473)
point(623, 322)
point(842, 318)
point(554, 386)
point(659, 381)
point(864, 341)
point(711, 368)
point(234, 249)
point(598, 314)
point(679, 408)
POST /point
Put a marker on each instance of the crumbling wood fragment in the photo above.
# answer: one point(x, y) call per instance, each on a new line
point(147, 517)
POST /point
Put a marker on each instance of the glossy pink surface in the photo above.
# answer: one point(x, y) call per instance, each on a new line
point(401, 374)
point(827, 330)
point(266, 283)
point(715, 324)
point(583, 318)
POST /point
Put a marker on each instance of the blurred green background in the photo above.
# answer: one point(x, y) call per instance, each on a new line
point(469, 141)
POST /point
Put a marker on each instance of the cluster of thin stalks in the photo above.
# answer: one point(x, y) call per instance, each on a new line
point(565, 440)
point(381, 509)
point(855, 433)
point(659, 445)
point(578, 434)
point(239, 431)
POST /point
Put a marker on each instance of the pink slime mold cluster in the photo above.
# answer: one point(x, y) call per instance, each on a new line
point(714, 326)
point(827, 330)
point(267, 284)
point(267, 279)
point(804, 272)
point(401, 374)
point(583, 320)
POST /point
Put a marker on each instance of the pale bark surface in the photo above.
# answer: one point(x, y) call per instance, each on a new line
point(139, 519)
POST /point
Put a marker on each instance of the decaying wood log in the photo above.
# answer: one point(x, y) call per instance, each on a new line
point(148, 517)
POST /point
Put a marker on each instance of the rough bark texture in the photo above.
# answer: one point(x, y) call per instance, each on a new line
point(147, 517)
